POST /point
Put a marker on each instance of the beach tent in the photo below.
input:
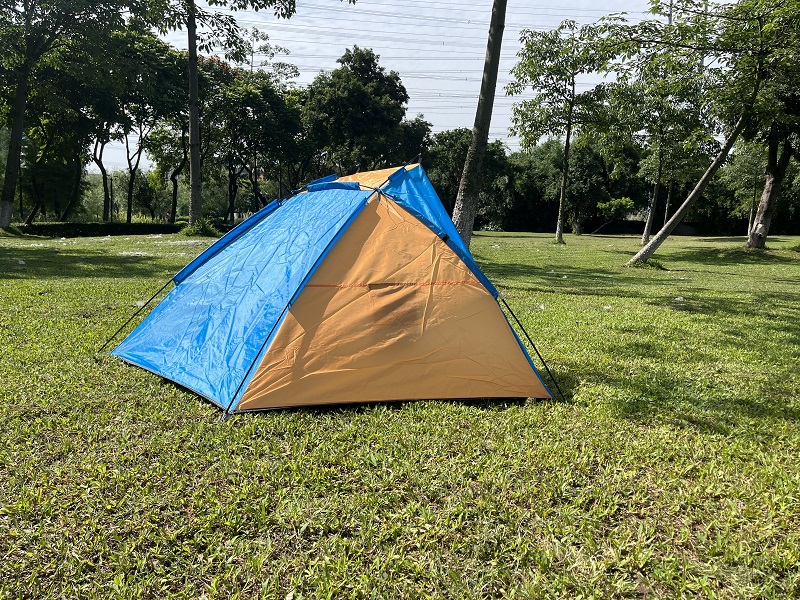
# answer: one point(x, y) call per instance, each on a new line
point(358, 289)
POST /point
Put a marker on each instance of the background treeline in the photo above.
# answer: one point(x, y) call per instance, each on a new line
point(636, 147)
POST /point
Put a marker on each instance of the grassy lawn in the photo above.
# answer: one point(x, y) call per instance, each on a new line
point(673, 468)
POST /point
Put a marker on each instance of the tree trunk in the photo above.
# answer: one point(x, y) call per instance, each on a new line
point(195, 180)
point(173, 177)
point(645, 253)
point(466, 206)
point(648, 226)
point(76, 190)
point(775, 172)
point(14, 146)
point(562, 200)
point(97, 157)
point(38, 200)
point(131, 182)
point(252, 175)
point(752, 212)
point(233, 187)
point(19, 187)
point(133, 168)
point(669, 200)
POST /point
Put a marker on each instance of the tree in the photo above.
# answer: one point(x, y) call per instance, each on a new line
point(444, 164)
point(588, 187)
point(779, 117)
point(536, 175)
point(741, 47)
point(657, 101)
point(149, 95)
point(33, 30)
point(169, 141)
point(550, 63)
point(218, 30)
point(467, 201)
point(744, 176)
point(356, 113)
point(257, 127)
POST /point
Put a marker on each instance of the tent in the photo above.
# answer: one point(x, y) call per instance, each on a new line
point(358, 289)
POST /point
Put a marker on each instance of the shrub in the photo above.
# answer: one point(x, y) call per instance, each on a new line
point(202, 227)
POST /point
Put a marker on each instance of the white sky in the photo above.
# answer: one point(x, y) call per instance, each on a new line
point(436, 46)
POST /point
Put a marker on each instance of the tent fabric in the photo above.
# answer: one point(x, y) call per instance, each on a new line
point(337, 294)
point(209, 329)
point(411, 188)
point(333, 185)
point(371, 179)
point(434, 330)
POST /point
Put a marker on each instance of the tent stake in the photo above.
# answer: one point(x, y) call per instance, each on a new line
point(535, 349)
point(133, 316)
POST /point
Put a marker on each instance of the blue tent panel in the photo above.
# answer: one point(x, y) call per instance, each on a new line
point(333, 185)
point(225, 241)
point(210, 328)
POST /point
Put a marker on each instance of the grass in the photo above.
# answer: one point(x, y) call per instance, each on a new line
point(671, 470)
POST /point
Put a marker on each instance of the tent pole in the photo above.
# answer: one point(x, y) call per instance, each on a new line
point(541, 358)
point(133, 316)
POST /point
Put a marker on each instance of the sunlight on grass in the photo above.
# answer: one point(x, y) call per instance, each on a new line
point(672, 469)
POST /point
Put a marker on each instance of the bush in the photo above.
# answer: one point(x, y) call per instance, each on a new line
point(202, 227)
point(67, 230)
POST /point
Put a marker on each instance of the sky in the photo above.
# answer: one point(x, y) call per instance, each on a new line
point(436, 46)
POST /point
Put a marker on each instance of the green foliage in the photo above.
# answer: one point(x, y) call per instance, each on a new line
point(549, 64)
point(536, 177)
point(73, 230)
point(444, 164)
point(203, 227)
point(356, 113)
point(670, 471)
point(588, 184)
point(616, 208)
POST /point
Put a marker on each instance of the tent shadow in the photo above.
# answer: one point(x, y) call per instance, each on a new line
point(484, 404)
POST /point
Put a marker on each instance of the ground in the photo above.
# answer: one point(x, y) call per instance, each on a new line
point(671, 468)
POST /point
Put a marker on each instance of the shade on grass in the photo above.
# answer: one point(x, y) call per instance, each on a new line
point(672, 469)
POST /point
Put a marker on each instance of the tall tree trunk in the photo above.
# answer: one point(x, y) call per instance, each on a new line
point(195, 168)
point(133, 168)
point(19, 186)
point(14, 145)
point(752, 211)
point(97, 157)
point(651, 213)
point(466, 206)
point(233, 187)
point(562, 199)
point(645, 253)
point(38, 198)
point(131, 182)
point(76, 189)
point(669, 200)
point(173, 177)
point(775, 172)
point(252, 175)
